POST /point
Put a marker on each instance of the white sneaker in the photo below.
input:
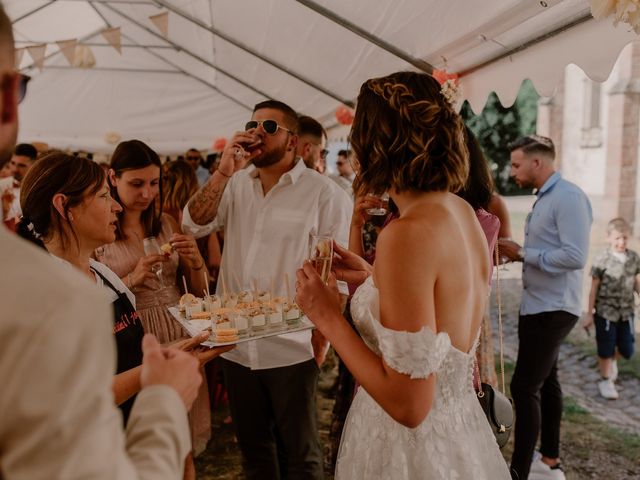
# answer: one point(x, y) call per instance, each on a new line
point(607, 389)
point(614, 371)
point(541, 471)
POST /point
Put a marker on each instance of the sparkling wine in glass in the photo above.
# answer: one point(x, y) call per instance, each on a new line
point(383, 208)
point(151, 247)
point(321, 254)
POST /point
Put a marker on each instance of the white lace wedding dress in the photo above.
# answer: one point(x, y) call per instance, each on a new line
point(454, 442)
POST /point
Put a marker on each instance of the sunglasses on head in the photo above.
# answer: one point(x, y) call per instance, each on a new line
point(269, 126)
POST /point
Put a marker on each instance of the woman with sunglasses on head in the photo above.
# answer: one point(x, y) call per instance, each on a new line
point(68, 210)
point(419, 312)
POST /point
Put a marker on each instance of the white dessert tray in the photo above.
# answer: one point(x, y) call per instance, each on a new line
point(194, 327)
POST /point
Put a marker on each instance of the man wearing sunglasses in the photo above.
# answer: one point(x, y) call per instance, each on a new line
point(345, 175)
point(57, 361)
point(312, 144)
point(268, 212)
point(194, 158)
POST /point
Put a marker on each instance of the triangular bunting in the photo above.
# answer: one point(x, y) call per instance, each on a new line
point(19, 55)
point(37, 54)
point(68, 49)
point(113, 37)
point(83, 57)
point(161, 21)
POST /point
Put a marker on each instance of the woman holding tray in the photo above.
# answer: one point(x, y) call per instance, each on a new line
point(136, 184)
point(68, 209)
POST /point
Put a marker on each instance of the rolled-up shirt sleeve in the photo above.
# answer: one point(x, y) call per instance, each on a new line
point(573, 221)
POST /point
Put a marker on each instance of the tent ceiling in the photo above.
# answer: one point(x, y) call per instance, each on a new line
point(223, 56)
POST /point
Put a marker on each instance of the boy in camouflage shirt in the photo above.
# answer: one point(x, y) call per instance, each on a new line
point(615, 276)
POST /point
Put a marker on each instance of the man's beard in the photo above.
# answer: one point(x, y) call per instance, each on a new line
point(269, 158)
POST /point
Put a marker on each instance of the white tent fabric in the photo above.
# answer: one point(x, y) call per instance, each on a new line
point(194, 86)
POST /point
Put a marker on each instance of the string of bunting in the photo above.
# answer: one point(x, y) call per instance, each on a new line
point(81, 56)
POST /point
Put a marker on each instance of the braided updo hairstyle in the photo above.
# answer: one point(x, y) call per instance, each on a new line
point(406, 136)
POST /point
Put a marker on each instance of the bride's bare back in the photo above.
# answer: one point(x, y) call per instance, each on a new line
point(431, 268)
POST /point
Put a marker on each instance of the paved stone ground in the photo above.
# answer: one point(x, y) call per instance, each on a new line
point(578, 371)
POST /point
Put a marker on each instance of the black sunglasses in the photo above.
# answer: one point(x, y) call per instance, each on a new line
point(269, 126)
point(22, 88)
point(324, 153)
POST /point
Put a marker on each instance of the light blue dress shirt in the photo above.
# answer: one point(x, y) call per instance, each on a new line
point(555, 248)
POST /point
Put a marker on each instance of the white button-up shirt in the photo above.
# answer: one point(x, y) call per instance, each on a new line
point(267, 236)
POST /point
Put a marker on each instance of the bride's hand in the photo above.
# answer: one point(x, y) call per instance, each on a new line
point(349, 267)
point(319, 302)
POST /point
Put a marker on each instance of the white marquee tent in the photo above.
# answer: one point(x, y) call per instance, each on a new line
point(220, 57)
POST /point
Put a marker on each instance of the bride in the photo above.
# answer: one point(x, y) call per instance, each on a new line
point(416, 414)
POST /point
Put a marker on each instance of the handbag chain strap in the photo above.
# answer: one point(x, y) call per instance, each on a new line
point(499, 299)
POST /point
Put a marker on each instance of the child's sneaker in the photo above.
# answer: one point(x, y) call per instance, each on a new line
point(614, 371)
point(607, 389)
point(541, 471)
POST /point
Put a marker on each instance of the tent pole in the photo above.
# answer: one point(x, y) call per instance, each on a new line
point(188, 52)
point(253, 52)
point(204, 82)
point(97, 44)
point(13, 22)
point(114, 69)
point(183, 71)
point(371, 38)
point(530, 43)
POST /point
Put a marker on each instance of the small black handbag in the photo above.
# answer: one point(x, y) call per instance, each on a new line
point(499, 411)
point(496, 405)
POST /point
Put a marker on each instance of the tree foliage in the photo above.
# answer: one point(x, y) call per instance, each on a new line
point(496, 126)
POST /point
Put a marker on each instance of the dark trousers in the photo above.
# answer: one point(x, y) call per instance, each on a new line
point(536, 392)
point(274, 415)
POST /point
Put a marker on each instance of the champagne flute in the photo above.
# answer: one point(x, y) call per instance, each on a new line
point(383, 208)
point(151, 247)
point(321, 254)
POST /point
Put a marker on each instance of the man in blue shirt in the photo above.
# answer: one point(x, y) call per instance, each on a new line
point(554, 255)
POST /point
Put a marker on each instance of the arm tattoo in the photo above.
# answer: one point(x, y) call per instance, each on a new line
point(203, 206)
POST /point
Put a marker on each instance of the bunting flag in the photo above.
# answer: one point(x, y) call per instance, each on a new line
point(68, 49)
point(19, 55)
point(161, 21)
point(37, 54)
point(112, 36)
point(83, 57)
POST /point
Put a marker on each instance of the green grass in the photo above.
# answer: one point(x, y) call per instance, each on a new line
point(591, 448)
point(588, 348)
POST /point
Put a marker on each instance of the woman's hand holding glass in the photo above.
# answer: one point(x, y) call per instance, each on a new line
point(319, 302)
point(362, 204)
point(143, 274)
point(187, 249)
point(349, 267)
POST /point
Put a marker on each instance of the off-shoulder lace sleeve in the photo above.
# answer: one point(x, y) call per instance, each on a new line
point(417, 354)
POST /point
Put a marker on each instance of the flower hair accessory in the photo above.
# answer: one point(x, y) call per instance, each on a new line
point(30, 227)
point(448, 85)
point(626, 11)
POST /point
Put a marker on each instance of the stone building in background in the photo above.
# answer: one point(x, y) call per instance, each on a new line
point(596, 128)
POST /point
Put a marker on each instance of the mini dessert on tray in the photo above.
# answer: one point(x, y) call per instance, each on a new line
point(224, 335)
